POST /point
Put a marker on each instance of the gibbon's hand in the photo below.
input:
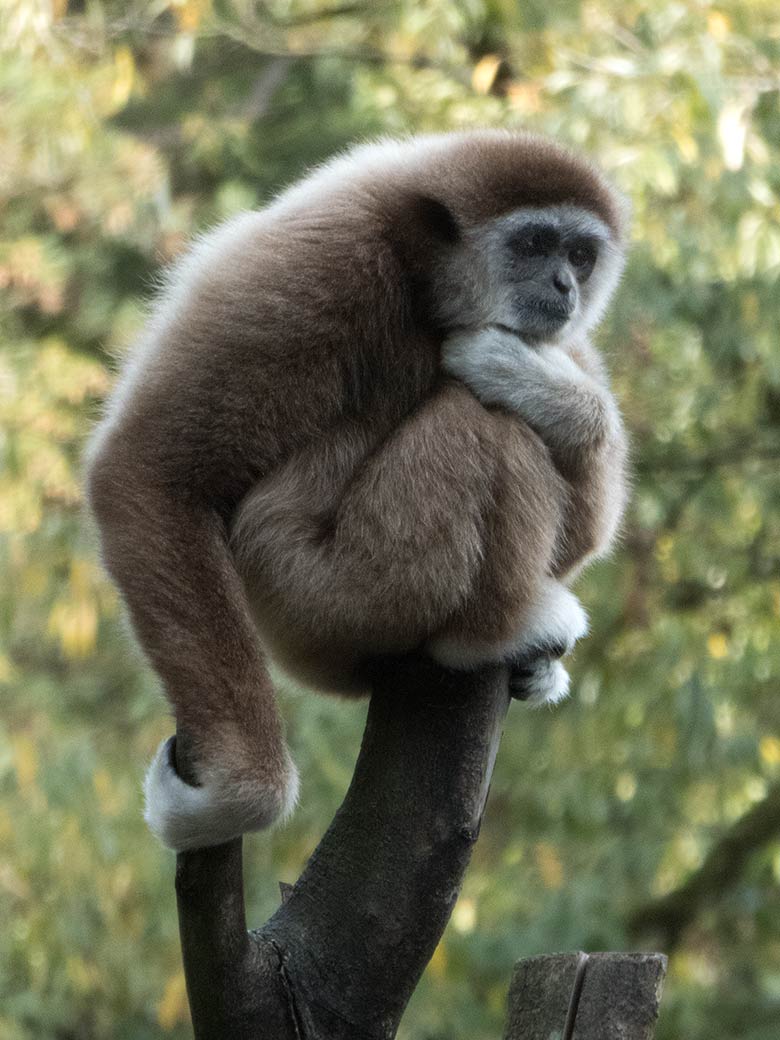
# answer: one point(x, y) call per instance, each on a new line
point(542, 384)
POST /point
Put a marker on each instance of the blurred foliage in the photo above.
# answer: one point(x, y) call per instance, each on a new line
point(127, 126)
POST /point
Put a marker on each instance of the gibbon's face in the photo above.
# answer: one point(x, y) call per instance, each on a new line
point(557, 265)
point(543, 272)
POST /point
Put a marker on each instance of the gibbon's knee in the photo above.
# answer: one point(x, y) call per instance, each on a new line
point(396, 553)
point(346, 588)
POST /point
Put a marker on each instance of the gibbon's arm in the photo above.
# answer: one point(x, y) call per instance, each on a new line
point(597, 474)
point(448, 526)
point(569, 405)
point(169, 556)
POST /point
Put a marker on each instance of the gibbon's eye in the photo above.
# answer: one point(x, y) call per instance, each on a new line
point(534, 240)
point(582, 257)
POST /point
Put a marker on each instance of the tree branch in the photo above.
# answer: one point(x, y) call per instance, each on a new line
point(264, 13)
point(343, 954)
point(665, 919)
point(736, 453)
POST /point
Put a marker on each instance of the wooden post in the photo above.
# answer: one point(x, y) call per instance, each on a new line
point(576, 996)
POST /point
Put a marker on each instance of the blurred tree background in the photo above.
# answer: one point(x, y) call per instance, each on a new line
point(646, 810)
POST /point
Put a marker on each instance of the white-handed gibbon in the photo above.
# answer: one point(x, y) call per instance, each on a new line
point(364, 420)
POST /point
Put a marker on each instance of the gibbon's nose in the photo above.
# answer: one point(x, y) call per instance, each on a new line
point(564, 283)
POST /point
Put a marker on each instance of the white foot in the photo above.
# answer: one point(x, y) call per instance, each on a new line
point(186, 817)
point(552, 627)
point(542, 681)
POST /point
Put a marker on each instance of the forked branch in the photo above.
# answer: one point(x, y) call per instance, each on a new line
point(343, 954)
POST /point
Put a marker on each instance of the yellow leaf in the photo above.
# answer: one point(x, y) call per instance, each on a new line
point(464, 916)
point(81, 974)
point(173, 1007)
point(686, 145)
point(525, 98)
point(750, 305)
point(25, 762)
point(549, 864)
point(625, 786)
point(6, 826)
point(6, 669)
point(718, 645)
point(664, 547)
point(190, 13)
point(124, 73)
point(438, 963)
point(718, 25)
point(769, 749)
point(108, 798)
point(13, 883)
point(484, 74)
point(74, 622)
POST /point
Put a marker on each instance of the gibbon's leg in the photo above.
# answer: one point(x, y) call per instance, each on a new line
point(170, 558)
point(448, 526)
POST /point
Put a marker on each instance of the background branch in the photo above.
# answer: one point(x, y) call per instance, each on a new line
point(664, 920)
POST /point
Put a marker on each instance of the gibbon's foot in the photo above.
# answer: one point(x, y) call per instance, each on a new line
point(538, 680)
point(185, 817)
point(551, 628)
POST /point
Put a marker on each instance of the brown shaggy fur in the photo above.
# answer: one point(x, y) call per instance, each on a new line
point(287, 457)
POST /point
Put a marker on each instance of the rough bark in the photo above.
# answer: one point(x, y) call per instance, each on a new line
point(343, 954)
point(576, 996)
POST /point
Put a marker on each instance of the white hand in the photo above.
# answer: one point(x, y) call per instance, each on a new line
point(542, 384)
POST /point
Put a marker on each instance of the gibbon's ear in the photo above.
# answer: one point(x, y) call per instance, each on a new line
point(437, 219)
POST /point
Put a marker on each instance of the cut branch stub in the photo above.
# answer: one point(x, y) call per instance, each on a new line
point(540, 996)
point(575, 996)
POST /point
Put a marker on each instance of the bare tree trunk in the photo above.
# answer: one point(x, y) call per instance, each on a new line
point(343, 954)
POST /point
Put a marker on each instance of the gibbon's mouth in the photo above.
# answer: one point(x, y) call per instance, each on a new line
point(554, 310)
point(543, 318)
